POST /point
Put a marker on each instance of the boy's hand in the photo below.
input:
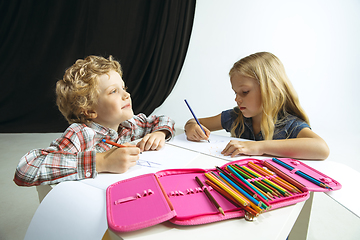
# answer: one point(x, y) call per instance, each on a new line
point(235, 148)
point(194, 132)
point(152, 141)
point(117, 160)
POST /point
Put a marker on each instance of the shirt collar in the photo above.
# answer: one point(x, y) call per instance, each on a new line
point(103, 130)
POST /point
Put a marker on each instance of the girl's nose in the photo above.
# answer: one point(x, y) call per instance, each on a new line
point(238, 99)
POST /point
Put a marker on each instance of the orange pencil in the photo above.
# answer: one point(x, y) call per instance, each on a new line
point(114, 143)
point(275, 179)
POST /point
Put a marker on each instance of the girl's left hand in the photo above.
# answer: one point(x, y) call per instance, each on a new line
point(152, 141)
point(235, 148)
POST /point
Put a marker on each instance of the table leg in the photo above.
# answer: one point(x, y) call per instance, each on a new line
point(301, 226)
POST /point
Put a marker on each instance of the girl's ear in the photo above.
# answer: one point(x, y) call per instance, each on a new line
point(90, 114)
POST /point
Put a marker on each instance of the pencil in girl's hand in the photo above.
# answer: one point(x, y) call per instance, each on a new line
point(197, 121)
point(208, 194)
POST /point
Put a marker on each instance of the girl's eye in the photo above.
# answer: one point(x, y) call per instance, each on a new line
point(245, 92)
point(113, 91)
point(125, 88)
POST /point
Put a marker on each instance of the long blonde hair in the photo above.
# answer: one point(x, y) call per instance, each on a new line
point(78, 90)
point(278, 96)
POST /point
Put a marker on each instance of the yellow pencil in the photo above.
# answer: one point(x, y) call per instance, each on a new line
point(227, 189)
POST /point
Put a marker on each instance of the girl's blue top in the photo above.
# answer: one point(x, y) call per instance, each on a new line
point(288, 127)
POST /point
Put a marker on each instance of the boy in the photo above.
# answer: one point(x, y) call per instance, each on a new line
point(93, 99)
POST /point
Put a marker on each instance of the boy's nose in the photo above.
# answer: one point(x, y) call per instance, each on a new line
point(126, 95)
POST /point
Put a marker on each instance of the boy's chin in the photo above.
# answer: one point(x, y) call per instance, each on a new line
point(129, 115)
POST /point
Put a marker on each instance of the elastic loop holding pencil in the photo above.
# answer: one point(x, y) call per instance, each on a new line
point(295, 162)
point(326, 180)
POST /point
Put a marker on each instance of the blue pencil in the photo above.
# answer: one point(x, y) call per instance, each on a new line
point(246, 182)
point(195, 117)
point(253, 200)
point(302, 174)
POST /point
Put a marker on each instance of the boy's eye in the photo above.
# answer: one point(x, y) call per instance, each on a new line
point(245, 92)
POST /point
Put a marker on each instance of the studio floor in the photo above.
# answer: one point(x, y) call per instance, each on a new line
point(329, 220)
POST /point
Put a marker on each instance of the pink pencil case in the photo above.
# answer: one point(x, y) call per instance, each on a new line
point(174, 195)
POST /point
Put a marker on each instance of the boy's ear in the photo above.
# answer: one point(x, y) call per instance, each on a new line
point(90, 113)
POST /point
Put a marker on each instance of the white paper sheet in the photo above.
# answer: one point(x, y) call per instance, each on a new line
point(214, 148)
point(149, 162)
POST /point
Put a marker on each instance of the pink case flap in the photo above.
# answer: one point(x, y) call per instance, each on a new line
point(137, 203)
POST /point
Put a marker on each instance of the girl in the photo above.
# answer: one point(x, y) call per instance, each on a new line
point(268, 111)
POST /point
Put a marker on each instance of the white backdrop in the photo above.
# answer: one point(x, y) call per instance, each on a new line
point(318, 42)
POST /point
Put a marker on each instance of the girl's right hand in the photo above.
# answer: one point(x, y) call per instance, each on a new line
point(117, 160)
point(194, 132)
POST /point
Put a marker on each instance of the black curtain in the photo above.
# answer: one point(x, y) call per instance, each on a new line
point(40, 39)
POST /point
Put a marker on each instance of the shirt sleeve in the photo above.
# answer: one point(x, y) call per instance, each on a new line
point(227, 119)
point(289, 127)
point(294, 127)
point(141, 125)
point(65, 159)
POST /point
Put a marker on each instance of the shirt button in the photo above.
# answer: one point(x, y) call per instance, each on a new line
point(87, 174)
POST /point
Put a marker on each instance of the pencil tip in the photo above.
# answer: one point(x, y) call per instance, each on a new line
point(222, 211)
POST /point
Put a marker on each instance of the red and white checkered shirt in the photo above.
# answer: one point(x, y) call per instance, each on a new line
point(72, 156)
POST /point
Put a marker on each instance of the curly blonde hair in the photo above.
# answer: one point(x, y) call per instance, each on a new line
point(78, 91)
point(278, 96)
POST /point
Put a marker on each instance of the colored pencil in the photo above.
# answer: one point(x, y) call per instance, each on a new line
point(268, 183)
point(218, 182)
point(302, 174)
point(244, 181)
point(114, 143)
point(257, 185)
point(208, 194)
point(238, 182)
point(223, 193)
point(260, 183)
point(250, 203)
point(246, 195)
point(272, 177)
point(231, 199)
point(284, 175)
point(197, 121)
point(246, 188)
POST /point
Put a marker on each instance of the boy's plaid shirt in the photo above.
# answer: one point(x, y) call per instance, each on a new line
point(72, 156)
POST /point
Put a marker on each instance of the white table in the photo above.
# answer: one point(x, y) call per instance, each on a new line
point(76, 210)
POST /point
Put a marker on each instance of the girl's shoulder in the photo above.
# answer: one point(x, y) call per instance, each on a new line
point(230, 113)
point(289, 126)
point(289, 120)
